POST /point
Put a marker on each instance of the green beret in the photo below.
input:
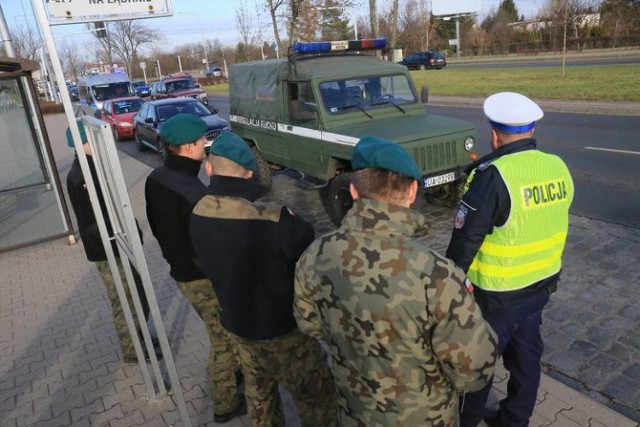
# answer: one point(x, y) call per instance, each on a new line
point(183, 129)
point(83, 135)
point(232, 147)
point(371, 152)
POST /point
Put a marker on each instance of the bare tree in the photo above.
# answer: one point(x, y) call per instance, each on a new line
point(373, 18)
point(26, 42)
point(250, 29)
point(125, 38)
point(72, 60)
point(277, 12)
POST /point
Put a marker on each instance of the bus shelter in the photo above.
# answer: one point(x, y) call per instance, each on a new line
point(32, 206)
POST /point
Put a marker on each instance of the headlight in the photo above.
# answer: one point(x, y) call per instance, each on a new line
point(124, 125)
point(469, 143)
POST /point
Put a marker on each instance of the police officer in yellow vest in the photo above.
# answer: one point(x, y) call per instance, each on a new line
point(509, 235)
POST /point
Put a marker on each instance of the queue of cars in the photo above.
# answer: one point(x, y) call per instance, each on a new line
point(140, 112)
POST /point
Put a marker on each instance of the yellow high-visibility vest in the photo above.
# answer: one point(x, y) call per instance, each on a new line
point(529, 246)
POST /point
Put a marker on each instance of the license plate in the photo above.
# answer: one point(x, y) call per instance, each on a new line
point(439, 180)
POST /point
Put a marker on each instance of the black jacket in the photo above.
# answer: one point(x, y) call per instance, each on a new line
point(486, 205)
point(249, 251)
point(171, 192)
point(81, 204)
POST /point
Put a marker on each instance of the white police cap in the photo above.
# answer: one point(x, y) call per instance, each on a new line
point(511, 112)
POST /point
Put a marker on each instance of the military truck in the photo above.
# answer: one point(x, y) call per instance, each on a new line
point(307, 112)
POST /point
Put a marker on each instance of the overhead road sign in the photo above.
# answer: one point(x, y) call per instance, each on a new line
point(61, 12)
point(453, 7)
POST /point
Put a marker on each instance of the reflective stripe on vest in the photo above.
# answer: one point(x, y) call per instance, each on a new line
point(529, 246)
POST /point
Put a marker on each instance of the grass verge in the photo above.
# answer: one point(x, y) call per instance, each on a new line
point(597, 82)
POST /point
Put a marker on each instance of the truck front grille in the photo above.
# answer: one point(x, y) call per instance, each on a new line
point(436, 156)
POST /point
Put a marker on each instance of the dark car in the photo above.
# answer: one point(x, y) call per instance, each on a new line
point(147, 123)
point(424, 61)
point(142, 88)
point(73, 93)
point(179, 85)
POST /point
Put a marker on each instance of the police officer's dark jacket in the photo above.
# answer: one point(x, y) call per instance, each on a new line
point(81, 204)
point(248, 248)
point(171, 191)
point(484, 208)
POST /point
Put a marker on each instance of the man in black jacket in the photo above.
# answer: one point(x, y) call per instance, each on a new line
point(171, 192)
point(95, 252)
point(248, 248)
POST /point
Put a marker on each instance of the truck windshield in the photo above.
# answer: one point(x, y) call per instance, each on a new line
point(340, 96)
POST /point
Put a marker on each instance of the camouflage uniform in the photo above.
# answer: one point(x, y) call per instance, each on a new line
point(119, 321)
point(223, 362)
point(406, 336)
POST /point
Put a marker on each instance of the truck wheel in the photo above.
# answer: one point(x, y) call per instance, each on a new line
point(338, 198)
point(446, 195)
point(264, 171)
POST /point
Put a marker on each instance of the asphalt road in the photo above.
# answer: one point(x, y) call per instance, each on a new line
point(607, 182)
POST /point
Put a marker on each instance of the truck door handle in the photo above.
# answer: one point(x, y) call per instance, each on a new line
point(289, 127)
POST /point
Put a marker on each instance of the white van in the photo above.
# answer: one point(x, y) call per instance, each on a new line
point(95, 89)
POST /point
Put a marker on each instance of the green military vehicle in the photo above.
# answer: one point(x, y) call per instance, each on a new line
point(308, 111)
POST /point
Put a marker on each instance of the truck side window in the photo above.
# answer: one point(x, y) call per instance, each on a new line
point(302, 104)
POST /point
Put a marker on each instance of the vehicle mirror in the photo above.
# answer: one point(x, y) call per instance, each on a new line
point(197, 85)
point(148, 120)
point(424, 94)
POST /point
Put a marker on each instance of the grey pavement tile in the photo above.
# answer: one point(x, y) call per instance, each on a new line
point(84, 413)
point(100, 393)
point(113, 399)
point(623, 389)
point(633, 371)
point(128, 420)
point(104, 418)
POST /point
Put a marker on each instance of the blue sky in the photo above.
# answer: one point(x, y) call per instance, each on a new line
point(213, 19)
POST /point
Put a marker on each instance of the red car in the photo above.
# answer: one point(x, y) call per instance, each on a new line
point(119, 112)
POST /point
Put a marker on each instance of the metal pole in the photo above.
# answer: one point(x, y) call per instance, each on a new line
point(564, 41)
point(179, 63)
point(144, 73)
point(6, 36)
point(458, 36)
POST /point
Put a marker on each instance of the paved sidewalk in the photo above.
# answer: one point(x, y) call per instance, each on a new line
point(60, 361)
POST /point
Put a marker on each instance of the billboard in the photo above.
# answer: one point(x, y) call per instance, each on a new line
point(75, 11)
point(453, 7)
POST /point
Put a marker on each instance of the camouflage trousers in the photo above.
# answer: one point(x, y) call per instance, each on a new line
point(223, 360)
point(119, 321)
point(299, 364)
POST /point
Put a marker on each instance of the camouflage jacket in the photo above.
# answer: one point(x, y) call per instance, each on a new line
point(405, 335)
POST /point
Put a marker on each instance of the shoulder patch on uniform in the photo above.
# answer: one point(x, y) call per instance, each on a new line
point(236, 208)
point(461, 216)
point(482, 166)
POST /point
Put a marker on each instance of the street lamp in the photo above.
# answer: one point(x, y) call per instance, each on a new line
point(204, 46)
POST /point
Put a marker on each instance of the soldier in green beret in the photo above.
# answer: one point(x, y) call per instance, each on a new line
point(94, 250)
point(171, 192)
point(248, 248)
point(406, 336)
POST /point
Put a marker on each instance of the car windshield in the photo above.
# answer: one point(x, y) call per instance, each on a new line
point(344, 95)
point(128, 106)
point(176, 85)
point(138, 84)
point(111, 90)
point(165, 112)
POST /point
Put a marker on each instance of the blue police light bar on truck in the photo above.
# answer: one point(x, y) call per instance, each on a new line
point(340, 46)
